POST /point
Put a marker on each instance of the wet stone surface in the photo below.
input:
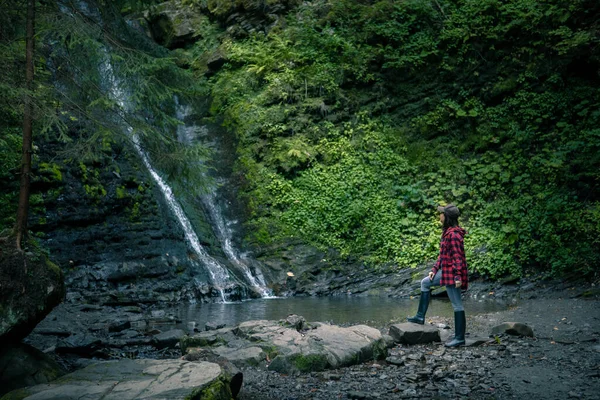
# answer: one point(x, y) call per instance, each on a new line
point(562, 361)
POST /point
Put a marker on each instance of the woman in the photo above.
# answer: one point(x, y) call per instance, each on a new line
point(450, 270)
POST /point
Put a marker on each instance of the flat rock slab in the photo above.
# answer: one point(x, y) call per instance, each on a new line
point(475, 341)
point(410, 333)
point(134, 379)
point(513, 328)
point(285, 348)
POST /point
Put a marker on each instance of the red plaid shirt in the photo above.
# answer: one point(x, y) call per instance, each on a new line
point(452, 258)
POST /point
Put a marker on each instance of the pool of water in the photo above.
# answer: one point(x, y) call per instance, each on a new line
point(374, 311)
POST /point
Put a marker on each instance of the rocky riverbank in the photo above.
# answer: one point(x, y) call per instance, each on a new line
point(561, 360)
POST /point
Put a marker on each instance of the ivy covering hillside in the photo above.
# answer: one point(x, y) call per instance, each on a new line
point(355, 118)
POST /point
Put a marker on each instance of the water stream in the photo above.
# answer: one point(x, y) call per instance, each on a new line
point(187, 133)
point(220, 277)
point(339, 310)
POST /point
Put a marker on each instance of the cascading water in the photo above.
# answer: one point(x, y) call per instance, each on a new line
point(186, 133)
point(219, 275)
point(225, 235)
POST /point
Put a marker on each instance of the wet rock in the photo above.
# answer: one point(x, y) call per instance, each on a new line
point(168, 339)
point(296, 321)
point(53, 331)
point(409, 333)
point(211, 326)
point(132, 309)
point(119, 325)
point(474, 341)
point(22, 365)
point(395, 361)
point(290, 350)
point(90, 307)
point(513, 328)
point(206, 339)
point(83, 344)
point(173, 24)
point(359, 395)
point(134, 379)
point(242, 357)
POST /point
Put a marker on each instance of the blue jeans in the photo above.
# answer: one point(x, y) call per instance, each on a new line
point(453, 292)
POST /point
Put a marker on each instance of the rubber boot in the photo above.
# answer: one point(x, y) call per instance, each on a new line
point(460, 324)
point(423, 305)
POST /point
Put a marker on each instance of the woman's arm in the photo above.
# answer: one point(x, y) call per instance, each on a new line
point(457, 251)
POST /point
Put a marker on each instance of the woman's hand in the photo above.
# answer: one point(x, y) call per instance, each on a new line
point(458, 284)
point(431, 275)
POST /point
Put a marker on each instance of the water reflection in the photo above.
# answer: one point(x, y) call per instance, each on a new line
point(375, 311)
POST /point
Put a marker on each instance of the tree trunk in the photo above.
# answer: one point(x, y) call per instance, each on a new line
point(23, 209)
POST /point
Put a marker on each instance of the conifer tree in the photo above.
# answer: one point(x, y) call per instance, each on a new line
point(23, 206)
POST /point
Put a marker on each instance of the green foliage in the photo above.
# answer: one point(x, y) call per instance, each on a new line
point(310, 362)
point(356, 118)
point(10, 153)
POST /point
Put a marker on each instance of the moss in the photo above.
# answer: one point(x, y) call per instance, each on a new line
point(310, 362)
point(270, 351)
point(217, 390)
point(200, 341)
point(50, 172)
point(18, 394)
point(121, 192)
point(53, 267)
point(417, 276)
point(95, 191)
point(380, 350)
point(135, 212)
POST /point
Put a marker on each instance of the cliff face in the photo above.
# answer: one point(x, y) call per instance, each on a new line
point(107, 225)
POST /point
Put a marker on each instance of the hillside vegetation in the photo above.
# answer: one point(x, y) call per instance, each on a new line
point(355, 118)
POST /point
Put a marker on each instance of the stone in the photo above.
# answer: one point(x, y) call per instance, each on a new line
point(82, 344)
point(475, 341)
point(410, 333)
point(135, 379)
point(513, 328)
point(119, 325)
point(287, 350)
point(358, 395)
point(296, 321)
point(173, 24)
point(24, 301)
point(22, 365)
point(395, 361)
point(211, 326)
point(168, 339)
point(244, 357)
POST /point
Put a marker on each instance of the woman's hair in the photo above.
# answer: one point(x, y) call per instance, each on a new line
point(450, 220)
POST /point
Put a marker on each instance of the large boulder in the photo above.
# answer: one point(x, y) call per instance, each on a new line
point(30, 287)
point(290, 346)
point(136, 379)
point(22, 365)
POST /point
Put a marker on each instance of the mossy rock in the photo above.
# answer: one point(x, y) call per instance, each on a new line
point(31, 287)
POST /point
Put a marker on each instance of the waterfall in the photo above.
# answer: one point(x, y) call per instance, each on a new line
point(225, 235)
point(223, 231)
point(219, 275)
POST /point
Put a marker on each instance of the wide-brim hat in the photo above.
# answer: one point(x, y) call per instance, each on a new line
point(450, 210)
